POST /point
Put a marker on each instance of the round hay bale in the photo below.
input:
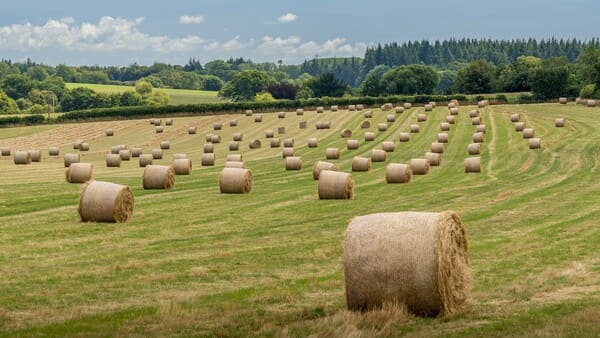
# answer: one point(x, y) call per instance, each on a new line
point(481, 128)
point(125, 154)
point(79, 172)
point(235, 181)
point(444, 126)
point(419, 166)
point(399, 110)
point(535, 143)
point(416, 259)
point(428, 107)
point(299, 111)
point(388, 146)
point(398, 173)
point(109, 132)
point(70, 158)
point(168, 122)
point(360, 107)
point(323, 125)
point(515, 117)
point(215, 138)
point(234, 164)
point(559, 122)
point(473, 113)
point(158, 129)
point(382, 126)
point(164, 145)
point(217, 126)
point(346, 133)
point(145, 159)
point(433, 104)
point(352, 144)
point(36, 155)
point(473, 164)
point(287, 152)
point(519, 126)
point(322, 165)
point(234, 158)
point(208, 148)
point(378, 155)
point(157, 154)
point(414, 128)
point(158, 177)
point(151, 121)
point(233, 146)
point(562, 100)
point(368, 114)
point(207, 159)
point(352, 107)
point(280, 130)
point(5, 151)
point(435, 159)
point(302, 124)
point(483, 103)
point(233, 123)
point(76, 143)
point(451, 105)
point(293, 163)
point(248, 112)
point(275, 143)
point(281, 115)
point(407, 105)
point(365, 124)
point(258, 118)
point(84, 146)
point(437, 147)
point(335, 185)
point(288, 142)
point(388, 106)
point(404, 137)
point(334, 108)
point(53, 151)
point(113, 160)
point(369, 136)
point(591, 103)
point(115, 149)
point(478, 137)
point(269, 133)
point(182, 166)
point(332, 153)
point(105, 202)
point(442, 137)
point(453, 111)
point(179, 156)
point(254, 144)
point(476, 121)
point(528, 133)
point(208, 137)
point(390, 118)
point(237, 136)
point(450, 119)
point(360, 163)
point(320, 110)
point(474, 148)
point(22, 157)
point(421, 118)
point(312, 142)
point(192, 130)
point(157, 122)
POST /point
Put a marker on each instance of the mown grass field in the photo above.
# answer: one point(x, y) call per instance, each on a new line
point(194, 262)
point(176, 96)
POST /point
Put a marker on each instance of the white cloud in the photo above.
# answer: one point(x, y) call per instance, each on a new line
point(287, 18)
point(292, 48)
point(191, 19)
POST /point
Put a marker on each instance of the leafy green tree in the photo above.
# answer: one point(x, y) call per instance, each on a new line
point(157, 98)
point(143, 88)
point(131, 98)
point(516, 77)
point(589, 66)
point(413, 79)
point(54, 84)
point(304, 93)
point(371, 86)
point(68, 74)
point(283, 90)
point(245, 85)
point(589, 92)
point(22, 104)
point(17, 86)
point(447, 79)
point(7, 105)
point(37, 109)
point(475, 78)
point(327, 85)
point(37, 73)
point(78, 98)
point(264, 97)
point(211, 82)
point(553, 79)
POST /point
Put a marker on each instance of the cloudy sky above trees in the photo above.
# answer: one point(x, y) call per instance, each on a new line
point(111, 32)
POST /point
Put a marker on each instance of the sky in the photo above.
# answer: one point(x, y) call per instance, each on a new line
point(121, 32)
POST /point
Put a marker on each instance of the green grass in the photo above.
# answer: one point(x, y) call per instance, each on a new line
point(194, 262)
point(176, 96)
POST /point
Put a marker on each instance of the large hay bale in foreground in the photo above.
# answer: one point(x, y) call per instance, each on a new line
point(287, 152)
point(473, 164)
point(434, 159)
point(293, 163)
point(417, 259)
point(378, 155)
point(5, 151)
point(437, 147)
point(535, 143)
point(322, 165)
point(158, 177)
point(70, 158)
point(404, 137)
point(398, 173)
point(312, 142)
point(182, 166)
point(335, 185)
point(559, 122)
point(332, 153)
point(145, 159)
point(105, 202)
point(113, 160)
point(207, 159)
point(388, 146)
point(157, 154)
point(53, 151)
point(22, 157)
point(235, 181)
point(360, 163)
point(419, 166)
point(369, 136)
point(474, 148)
point(352, 144)
point(528, 133)
point(79, 172)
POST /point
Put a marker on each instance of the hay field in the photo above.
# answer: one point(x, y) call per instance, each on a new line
point(193, 261)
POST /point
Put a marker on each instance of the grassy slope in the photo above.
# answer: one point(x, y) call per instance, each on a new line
point(196, 262)
point(176, 96)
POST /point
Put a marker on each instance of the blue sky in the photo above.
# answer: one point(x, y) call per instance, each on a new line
point(110, 32)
